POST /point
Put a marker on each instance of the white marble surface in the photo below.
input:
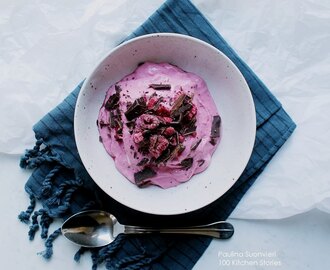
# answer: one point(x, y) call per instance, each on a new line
point(285, 42)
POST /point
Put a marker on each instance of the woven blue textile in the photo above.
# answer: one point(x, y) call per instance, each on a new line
point(60, 182)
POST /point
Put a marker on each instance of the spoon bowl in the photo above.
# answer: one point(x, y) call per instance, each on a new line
point(96, 228)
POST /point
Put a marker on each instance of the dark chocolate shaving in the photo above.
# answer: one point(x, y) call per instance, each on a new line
point(188, 130)
point(187, 163)
point(170, 153)
point(112, 102)
point(136, 109)
point(189, 127)
point(117, 88)
point(141, 177)
point(195, 145)
point(215, 129)
point(213, 141)
point(165, 156)
point(112, 121)
point(184, 109)
point(177, 120)
point(160, 86)
point(102, 124)
point(181, 148)
point(118, 122)
point(177, 104)
point(144, 147)
point(200, 162)
point(130, 125)
point(143, 162)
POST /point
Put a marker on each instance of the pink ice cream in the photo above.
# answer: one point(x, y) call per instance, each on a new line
point(160, 125)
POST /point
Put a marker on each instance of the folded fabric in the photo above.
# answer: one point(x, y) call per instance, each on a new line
point(60, 182)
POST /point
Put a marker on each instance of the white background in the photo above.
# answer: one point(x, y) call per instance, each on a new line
point(47, 48)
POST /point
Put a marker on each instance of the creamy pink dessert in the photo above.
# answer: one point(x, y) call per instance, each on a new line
point(160, 125)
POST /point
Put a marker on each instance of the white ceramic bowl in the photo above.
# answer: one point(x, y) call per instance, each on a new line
point(230, 93)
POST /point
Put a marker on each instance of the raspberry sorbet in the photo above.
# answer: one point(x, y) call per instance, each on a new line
point(160, 125)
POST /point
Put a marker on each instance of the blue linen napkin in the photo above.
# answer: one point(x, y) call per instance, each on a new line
point(62, 185)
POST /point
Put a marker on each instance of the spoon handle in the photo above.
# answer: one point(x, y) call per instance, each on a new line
point(220, 230)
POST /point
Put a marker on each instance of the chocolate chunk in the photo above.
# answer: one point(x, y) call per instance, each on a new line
point(143, 162)
point(177, 104)
point(170, 153)
point(200, 162)
point(213, 141)
point(112, 102)
point(112, 121)
point(189, 130)
point(160, 86)
point(141, 178)
point(115, 120)
point(195, 145)
point(184, 109)
point(119, 124)
point(181, 148)
point(177, 120)
point(187, 163)
point(117, 88)
point(136, 109)
point(215, 129)
point(130, 125)
point(119, 135)
point(165, 156)
point(144, 147)
point(102, 124)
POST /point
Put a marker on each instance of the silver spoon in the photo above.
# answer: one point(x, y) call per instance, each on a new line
point(96, 228)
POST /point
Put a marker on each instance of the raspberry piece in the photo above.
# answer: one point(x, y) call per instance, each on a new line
point(166, 119)
point(169, 131)
point(173, 141)
point(192, 112)
point(138, 137)
point(147, 121)
point(163, 111)
point(158, 144)
point(181, 139)
point(151, 103)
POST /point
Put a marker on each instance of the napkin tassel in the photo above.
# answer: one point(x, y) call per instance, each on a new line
point(61, 198)
point(37, 155)
point(32, 159)
point(24, 216)
point(105, 255)
point(47, 183)
point(45, 221)
point(47, 254)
